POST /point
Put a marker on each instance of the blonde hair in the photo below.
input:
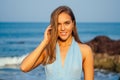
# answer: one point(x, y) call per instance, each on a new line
point(51, 47)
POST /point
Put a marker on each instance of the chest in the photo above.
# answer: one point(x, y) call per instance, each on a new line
point(72, 65)
point(68, 63)
point(63, 54)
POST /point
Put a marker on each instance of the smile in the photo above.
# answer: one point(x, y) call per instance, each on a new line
point(63, 33)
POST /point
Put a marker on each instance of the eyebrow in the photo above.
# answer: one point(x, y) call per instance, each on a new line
point(65, 21)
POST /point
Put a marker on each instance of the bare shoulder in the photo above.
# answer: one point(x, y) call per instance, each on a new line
point(87, 60)
point(84, 47)
point(85, 50)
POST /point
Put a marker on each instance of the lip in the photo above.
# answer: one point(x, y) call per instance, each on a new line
point(63, 33)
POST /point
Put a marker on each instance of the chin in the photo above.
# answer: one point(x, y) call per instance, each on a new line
point(63, 38)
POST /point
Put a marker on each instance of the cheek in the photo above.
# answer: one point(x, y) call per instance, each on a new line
point(58, 29)
point(70, 29)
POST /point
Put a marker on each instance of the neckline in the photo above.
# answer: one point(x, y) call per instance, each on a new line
point(66, 57)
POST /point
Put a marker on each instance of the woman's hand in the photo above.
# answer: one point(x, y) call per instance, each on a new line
point(37, 56)
point(47, 34)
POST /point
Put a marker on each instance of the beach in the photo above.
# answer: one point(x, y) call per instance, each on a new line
point(17, 40)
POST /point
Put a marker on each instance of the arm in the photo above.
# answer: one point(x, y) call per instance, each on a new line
point(35, 58)
point(88, 63)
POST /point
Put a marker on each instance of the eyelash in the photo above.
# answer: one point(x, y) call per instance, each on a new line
point(66, 23)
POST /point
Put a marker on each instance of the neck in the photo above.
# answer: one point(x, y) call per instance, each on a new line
point(66, 42)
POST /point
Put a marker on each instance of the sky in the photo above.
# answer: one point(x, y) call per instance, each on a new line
point(40, 10)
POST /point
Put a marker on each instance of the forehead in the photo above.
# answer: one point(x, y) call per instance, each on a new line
point(64, 17)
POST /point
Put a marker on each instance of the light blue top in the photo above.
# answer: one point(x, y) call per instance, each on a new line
point(72, 66)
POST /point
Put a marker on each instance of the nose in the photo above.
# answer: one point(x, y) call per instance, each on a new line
point(63, 27)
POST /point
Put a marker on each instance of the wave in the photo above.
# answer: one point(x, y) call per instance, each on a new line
point(11, 62)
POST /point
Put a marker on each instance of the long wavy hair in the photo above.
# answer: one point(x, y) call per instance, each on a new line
point(51, 47)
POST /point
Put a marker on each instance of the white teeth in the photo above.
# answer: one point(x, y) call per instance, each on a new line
point(63, 33)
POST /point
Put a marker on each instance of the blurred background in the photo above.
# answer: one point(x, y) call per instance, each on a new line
point(23, 22)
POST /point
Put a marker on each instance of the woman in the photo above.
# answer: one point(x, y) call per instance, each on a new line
point(61, 52)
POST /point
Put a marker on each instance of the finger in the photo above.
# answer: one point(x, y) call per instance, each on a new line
point(49, 27)
point(48, 30)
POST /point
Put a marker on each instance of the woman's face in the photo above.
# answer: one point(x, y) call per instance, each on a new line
point(65, 26)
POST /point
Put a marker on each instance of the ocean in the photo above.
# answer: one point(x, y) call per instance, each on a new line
point(18, 39)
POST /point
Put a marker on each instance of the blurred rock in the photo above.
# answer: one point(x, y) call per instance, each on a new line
point(103, 44)
point(106, 53)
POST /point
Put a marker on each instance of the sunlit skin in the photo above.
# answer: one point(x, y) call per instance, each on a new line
point(65, 26)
